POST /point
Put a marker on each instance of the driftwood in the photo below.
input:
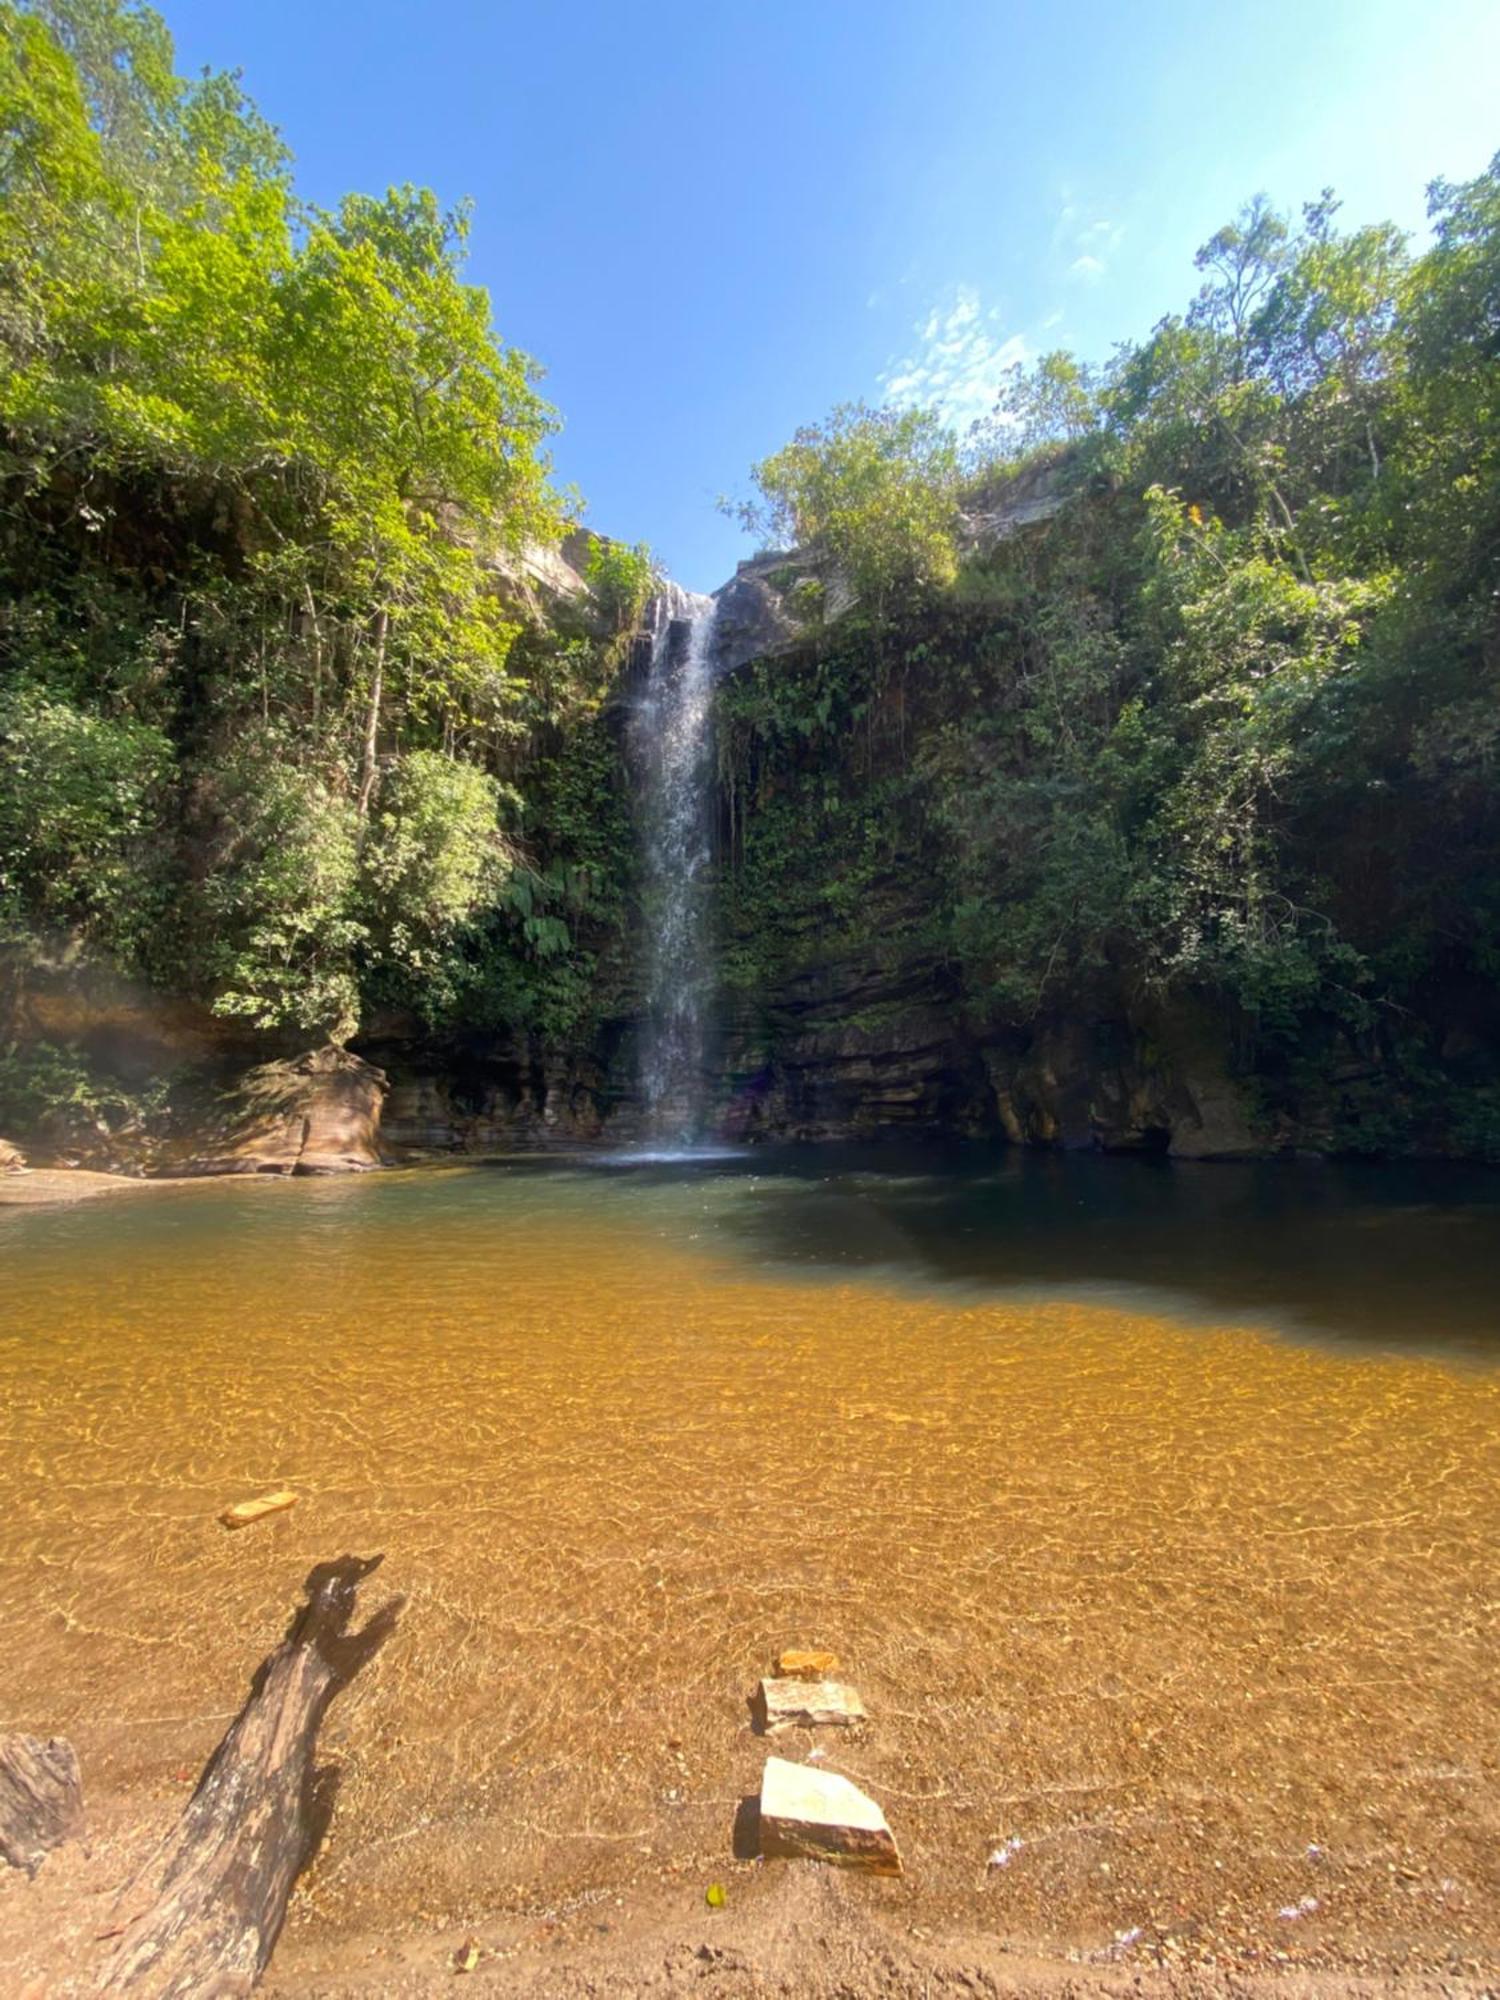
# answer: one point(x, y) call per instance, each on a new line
point(41, 1798)
point(245, 1513)
point(203, 1917)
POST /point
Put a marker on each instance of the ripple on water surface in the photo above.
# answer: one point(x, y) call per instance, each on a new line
point(1201, 1617)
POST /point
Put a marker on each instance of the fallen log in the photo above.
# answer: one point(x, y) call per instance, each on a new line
point(203, 1917)
point(41, 1798)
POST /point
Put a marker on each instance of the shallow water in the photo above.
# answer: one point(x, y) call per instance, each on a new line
point(1153, 1511)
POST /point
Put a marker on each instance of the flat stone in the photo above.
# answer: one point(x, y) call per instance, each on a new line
point(807, 1663)
point(244, 1512)
point(790, 1704)
point(818, 1816)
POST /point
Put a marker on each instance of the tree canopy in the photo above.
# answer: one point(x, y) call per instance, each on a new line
point(1226, 724)
point(266, 470)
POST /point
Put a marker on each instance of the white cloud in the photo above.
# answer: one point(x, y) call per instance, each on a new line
point(1087, 242)
point(958, 363)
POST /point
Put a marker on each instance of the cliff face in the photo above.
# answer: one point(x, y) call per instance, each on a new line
point(963, 887)
point(887, 1046)
point(894, 957)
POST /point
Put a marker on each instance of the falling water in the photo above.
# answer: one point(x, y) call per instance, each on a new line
point(671, 737)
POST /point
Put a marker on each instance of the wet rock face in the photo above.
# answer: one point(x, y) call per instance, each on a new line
point(867, 1049)
point(318, 1113)
point(495, 1093)
point(854, 1050)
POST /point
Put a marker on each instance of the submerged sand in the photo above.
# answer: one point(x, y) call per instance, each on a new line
point(1196, 1623)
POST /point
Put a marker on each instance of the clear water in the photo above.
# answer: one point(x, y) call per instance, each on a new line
point(1152, 1509)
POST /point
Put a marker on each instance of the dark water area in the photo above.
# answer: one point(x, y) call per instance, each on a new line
point(1396, 1256)
point(1404, 1255)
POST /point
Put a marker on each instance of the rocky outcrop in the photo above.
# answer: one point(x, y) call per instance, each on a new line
point(318, 1113)
point(1001, 509)
point(856, 1049)
point(765, 607)
point(775, 601)
point(547, 584)
point(12, 1159)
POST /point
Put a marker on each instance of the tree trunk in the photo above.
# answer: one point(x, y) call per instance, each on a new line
point(203, 1917)
point(41, 1798)
point(317, 664)
point(372, 717)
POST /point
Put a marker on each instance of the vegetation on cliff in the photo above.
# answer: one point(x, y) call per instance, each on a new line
point(276, 729)
point(1174, 681)
point(1225, 724)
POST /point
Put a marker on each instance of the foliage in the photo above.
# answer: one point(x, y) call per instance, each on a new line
point(1224, 726)
point(875, 490)
point(48, 1086)
point(276, 906)
point(263, 692)
point(76, 798)
point(622, 577)
point(1054, 401)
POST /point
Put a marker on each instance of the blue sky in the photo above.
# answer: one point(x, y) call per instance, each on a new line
point(711, 223)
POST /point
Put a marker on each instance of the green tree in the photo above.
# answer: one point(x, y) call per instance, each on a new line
point(874, 490)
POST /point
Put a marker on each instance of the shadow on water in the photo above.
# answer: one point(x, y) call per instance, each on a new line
point(1405, 1256)
point(1401, 1257)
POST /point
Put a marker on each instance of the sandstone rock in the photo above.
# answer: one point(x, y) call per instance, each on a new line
point(788, 1704)
point(806, 1663)
point(244, 1512)
point(316, 1114)
point(820, 1816)
point(12, 1159)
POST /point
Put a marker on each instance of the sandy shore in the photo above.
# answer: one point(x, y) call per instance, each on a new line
point(792, 1930)
point(53, 1187)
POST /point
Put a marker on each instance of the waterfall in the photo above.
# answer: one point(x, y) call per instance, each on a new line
point(672, 755)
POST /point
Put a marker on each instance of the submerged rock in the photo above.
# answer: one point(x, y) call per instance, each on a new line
point(41, 1798)
point(806, 1663)
point(819, 1816)
point(799, 1704)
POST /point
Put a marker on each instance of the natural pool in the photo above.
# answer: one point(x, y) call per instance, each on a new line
point(1153, 1511)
